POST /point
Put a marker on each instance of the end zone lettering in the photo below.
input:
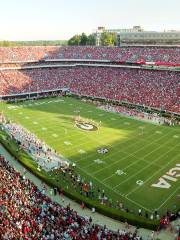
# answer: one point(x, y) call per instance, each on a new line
point(172, 176)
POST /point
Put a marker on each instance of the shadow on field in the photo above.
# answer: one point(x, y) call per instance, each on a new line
point(71, 108)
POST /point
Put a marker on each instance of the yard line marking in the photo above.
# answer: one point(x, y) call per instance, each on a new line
point(55, 135)
point(96, 161)
point(81, 151)
point(139, 205)
point(131, 154)
point(139, 159)
point(67, 143)
point(158, 132)
point(134, 162)
point(175, 136)
point(164, 166)
point(168, 198)
point(144, 167)
point(126, 123)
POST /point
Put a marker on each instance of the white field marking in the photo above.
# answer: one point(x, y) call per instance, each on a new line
point(20, 113)
point(60, 100)
point(101, 114)
point(67, 143)
point(120, 172)
point(97, 161)
point(158, 132)
point(89, 111)
point(164, 166)
point(44, 129)
point(135, 143)
point(120, 123)
point(70, 104)
point(141, 127)
point(55, 135)
point(115, 152)
point(72, 135)
point(139, 182)
point(26, 117)
point(139, 159)
point(35, 123)
point(146, 165)
point(134, 162)
point(81, 151)
point(146, 161)
point(170, 196)
point(175, 136)
point(118, 193)
point(12, 107)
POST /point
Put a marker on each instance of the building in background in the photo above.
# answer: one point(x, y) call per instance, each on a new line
point(137, 35)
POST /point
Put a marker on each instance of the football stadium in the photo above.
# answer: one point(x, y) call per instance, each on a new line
point(90, 137)
point(106, 133)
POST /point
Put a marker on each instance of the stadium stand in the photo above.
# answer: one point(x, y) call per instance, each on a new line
point(123, 54)
point(153, 88)
point(27, 213)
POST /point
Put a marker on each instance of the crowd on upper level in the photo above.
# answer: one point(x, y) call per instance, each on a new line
point(121, 54)
point(156, 89)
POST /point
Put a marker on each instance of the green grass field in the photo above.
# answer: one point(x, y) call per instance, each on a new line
point(139, 153)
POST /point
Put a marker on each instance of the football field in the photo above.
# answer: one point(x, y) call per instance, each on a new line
point(135, 162)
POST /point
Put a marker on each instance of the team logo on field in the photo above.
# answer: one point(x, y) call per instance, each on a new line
point(85, 125)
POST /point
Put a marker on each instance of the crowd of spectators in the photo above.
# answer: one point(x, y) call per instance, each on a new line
point(46, 157)
point(27, 213)
point(139, 114)
point(121, 54)
point(156, 89)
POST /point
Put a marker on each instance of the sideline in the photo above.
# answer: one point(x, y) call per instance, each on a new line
point(96, 217)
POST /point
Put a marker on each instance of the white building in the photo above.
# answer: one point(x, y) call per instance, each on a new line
point(137, 35)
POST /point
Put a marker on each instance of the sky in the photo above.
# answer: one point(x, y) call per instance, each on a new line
point(61, 19)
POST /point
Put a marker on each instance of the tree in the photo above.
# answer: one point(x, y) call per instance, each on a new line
point(108, 39)
point(84, 39)
point(91, 40)
point(75, 40)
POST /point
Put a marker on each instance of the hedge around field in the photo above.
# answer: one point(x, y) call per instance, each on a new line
point(21, 156)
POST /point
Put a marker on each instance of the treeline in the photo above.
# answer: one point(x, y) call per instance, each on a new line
point(106, 39)
point(33, 43)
